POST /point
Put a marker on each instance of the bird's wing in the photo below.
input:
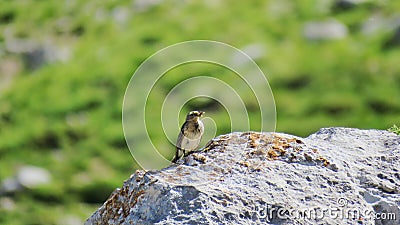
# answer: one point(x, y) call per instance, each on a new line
point(183, 127)
point(179, 141)
point(180, 137)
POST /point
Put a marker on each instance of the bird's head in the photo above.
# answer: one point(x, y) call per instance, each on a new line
point(194, 115)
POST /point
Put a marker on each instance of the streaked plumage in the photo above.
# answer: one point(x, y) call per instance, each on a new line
point(190, 136)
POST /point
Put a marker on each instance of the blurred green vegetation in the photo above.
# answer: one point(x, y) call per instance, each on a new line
point(395, 129)
point(65, 115)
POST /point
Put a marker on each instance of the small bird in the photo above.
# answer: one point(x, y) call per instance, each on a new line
point(190, 136)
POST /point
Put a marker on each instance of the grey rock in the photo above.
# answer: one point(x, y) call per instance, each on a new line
point(26, 177)
point(44, 54)
point(10, 185)
point(255, 51)
point(120, 15)
point(144, 5)
point(33, 53)
point(16, 45)
point(325, 30)
point(378, 23)
point(34, 59)
point(33, 176)
point(335, 176)
point(374, 24)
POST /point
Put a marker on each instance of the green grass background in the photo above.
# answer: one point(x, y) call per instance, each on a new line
point(66, 116)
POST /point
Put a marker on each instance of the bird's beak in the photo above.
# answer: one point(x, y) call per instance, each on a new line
point(201, 113)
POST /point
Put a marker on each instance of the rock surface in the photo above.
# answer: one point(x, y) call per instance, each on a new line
point(325, 30)
point(335, 176)
point(28, 176)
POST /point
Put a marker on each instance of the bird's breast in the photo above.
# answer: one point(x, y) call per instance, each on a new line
point(194, 130)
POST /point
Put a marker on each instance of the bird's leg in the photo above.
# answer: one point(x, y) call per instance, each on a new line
point(176, 157)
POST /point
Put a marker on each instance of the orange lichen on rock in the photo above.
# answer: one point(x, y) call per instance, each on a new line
point(324, 160)
point(200, 158)
point(272, 154)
